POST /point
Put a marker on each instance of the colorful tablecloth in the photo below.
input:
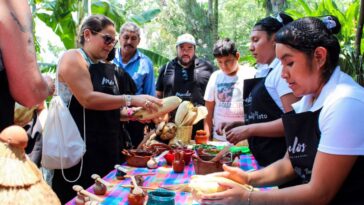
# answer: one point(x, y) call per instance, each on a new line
point(164, 175)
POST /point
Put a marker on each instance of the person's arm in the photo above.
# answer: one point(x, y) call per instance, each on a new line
point(73, 70)
point(328, 175)
point(18, 53)
point(265, 129)
point(275, 174)
point(210, 105)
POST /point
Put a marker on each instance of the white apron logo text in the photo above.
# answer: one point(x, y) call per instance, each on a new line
point(106, 81)
point(297, 147)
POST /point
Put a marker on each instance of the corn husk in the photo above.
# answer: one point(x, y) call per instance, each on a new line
point(183, 134)
point(169, 104)
point(23, 115)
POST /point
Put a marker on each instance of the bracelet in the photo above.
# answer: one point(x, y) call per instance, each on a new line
point(249, 196)
point(127, 99)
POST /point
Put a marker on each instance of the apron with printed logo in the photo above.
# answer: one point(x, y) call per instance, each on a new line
point(260, 107)
point(103, 146)
point(302, 138)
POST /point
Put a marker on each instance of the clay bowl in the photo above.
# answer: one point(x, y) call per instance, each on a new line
point(137, 158)
point(157, 149)
point(187, 154)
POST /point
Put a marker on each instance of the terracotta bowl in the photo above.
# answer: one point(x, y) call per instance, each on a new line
point(137, 158)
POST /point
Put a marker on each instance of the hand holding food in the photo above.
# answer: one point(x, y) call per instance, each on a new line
point(208, 184)
point(168, 104)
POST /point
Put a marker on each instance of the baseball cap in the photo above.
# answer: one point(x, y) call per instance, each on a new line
point(185, 38)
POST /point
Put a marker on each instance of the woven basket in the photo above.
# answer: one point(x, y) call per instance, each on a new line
point(184, 134)
point(21, 181)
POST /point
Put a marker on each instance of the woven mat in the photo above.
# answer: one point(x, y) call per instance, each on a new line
point(164, 175)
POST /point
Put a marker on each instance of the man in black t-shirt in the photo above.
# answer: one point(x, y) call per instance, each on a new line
point(186, 76)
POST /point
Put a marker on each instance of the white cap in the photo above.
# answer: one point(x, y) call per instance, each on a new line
point(185, 38)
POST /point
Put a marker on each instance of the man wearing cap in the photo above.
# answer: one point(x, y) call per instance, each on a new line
point(186, 76)
point(139, 67)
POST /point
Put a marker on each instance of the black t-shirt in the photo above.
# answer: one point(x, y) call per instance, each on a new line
point(186, 83)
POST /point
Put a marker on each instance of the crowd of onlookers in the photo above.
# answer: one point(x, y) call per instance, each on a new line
point(299, 112)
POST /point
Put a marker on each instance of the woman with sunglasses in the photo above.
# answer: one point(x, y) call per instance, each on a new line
point(91, 89)
point(325, 133)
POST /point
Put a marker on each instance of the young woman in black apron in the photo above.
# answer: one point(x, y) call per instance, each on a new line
point(324, 133)
point(88, 84)
point(266, 97)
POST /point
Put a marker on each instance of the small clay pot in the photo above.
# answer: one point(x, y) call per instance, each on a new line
point(178, 162)
point(99, 188)
point(136, 199)
point(187, 155)
point(201, 137)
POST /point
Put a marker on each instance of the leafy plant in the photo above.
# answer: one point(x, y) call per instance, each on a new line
point(349, 63)
point(65, 16)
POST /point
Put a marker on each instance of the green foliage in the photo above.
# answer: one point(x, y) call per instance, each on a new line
point(157, 59)
point(145, 17)
point(348, 19)
point(237, 25)
point(58, 16)
point(64, 17)
point(113, 12)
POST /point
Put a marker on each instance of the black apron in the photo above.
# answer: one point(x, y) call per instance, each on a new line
point(103, 146)
point(7, 103)
point(173, 76)
point(178, 83)
point(302, 138)
point(260, 107)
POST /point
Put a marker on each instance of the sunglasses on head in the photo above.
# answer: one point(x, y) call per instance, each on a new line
point(107, 38)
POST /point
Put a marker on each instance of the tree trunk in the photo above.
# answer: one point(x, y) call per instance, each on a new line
point(359, 34)
point(278, 6)
point(216, 21)
point(359, 31)
point(268, 7)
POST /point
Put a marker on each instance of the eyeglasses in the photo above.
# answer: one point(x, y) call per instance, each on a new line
point(184, 74)
point(107, 38)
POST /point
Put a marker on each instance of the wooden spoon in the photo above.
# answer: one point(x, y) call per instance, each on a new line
point(96, 177)
point(79, 189)
point(221, 154)
point(137, 190)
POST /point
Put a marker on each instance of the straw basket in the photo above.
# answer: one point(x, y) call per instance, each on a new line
point(21, 181)
point(184, 134)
